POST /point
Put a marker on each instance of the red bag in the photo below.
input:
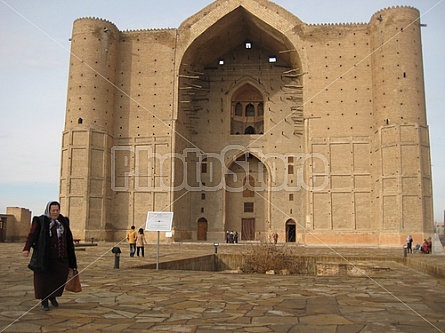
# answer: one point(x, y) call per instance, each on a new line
point(73, 282)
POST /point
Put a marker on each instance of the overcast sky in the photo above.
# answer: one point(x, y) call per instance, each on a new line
point(34, 58)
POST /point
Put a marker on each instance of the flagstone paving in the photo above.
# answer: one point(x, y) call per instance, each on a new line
point(130, 299)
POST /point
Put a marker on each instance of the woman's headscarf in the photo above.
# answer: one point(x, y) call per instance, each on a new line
point(54, 222)
point(48, 207)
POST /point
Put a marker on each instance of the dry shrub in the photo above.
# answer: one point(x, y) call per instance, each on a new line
point(267, 256)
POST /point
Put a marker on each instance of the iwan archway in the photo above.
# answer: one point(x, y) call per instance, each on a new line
point(238, 78)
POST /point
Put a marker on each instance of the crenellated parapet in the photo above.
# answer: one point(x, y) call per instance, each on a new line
point(149, 30)
point(386, 9)
point(97, 19)
point(347, 24)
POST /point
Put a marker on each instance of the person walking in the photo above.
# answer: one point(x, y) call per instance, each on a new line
point(131, 238)
point(140, 241)
point(409, 244)
point(53, 254)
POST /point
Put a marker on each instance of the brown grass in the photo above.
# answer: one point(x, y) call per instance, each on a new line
point(267, 257)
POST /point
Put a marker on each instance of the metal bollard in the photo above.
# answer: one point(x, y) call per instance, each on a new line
point(216, 247)
point(117, 253)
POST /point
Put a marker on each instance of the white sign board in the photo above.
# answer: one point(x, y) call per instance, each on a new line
point(159, 221)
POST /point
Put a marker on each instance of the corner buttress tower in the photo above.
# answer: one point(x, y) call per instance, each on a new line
point(88, 135)
point(402, 167)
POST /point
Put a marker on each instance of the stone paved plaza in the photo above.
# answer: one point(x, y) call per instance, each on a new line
point(128, 299)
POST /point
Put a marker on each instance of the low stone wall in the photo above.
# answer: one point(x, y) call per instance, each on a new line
point(426, 267)
point(211, 263)
point(203, 263)
point(310, 265)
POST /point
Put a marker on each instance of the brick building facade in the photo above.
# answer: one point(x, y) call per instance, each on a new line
point(246, 118)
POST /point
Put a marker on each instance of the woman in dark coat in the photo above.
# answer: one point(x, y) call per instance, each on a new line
point(53, 254)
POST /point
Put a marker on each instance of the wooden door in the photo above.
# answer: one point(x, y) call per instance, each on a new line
point(202, 230)
point(248, 229)
point(291, 232)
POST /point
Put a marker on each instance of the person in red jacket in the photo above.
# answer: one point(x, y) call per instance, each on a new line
point(426, 246)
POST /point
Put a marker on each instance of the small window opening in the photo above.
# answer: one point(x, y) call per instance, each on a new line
point(261, 109)
point(238, 109)
point(221, 62)
point(250, 110)
point(248, 207)
point(290, 169)
point(248, 188)
point(249, 130)
point(204, 167)
point(80, 121)
point(272, 59)
point(248, 45)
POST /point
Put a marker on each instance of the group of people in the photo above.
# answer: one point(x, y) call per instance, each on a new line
point(424, 248)
point(231, 236)
point(136, 241)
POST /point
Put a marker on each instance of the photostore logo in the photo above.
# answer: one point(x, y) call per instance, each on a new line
point(147, 169)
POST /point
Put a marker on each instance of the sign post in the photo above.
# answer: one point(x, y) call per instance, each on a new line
point(159, 221)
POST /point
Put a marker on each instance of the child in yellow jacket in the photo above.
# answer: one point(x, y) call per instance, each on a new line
point(131, 238)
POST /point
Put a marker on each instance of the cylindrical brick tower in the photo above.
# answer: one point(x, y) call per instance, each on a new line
point(94, 48)
point(398, 83)
point(84, 186)
point(402, 168)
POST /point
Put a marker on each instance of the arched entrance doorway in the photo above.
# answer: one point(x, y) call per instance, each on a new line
point(291, 231)
point(246, 193)
point(202, 229)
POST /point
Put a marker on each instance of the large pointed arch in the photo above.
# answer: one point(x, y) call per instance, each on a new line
point(247, 207)
point(206, 40)
point(228, 46)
